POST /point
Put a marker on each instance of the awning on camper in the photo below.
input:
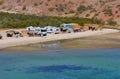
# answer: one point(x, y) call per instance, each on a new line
point(75, 25)
point(69, 26)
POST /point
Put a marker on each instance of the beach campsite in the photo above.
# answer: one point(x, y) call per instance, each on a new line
point(59, 39)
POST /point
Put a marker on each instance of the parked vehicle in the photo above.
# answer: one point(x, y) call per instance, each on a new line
point(42, 32)
point(12, 33)
point(49, 29)
point(54, 30)
point(63, 28)
point(0, 36)
point(30, 28)
point(31, 33)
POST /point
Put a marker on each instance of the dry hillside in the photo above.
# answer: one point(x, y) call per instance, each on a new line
point(102, 9)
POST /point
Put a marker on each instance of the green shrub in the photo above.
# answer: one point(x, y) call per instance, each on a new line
point(111, 22)
point(96, 14)
point(71, 11)
point(81, 8)
point(21, 21)
point(87, 15)
point(93, 10)
point(108, 11)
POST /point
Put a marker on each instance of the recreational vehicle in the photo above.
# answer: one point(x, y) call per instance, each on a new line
point(30, 28)
point(52, 29)
point(42, 32)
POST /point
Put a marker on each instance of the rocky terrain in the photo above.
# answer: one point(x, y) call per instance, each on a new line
point(101, 9)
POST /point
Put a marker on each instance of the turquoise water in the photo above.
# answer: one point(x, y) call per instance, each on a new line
point(61, 64)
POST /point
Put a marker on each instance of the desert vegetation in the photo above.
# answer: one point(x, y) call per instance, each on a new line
point(20, 20)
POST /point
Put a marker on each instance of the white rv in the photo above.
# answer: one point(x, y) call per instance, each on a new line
point(42, 32)
point(54, 30)
point(49, 29)
point(30, 28)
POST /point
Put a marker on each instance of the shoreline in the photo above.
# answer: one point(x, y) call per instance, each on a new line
point(11, 42)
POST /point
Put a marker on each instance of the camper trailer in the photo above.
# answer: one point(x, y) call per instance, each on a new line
point(49, 29)
point(42, 32)
point(30, 28)
point(52, 29)
point(56, 30)
point(33, 31)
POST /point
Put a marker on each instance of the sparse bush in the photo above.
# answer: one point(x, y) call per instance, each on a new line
point(118, 6)
point(108, 12)
point(96, 14)
point(111, 22)
point(1, 2)
point(60, 9)
point(81, 8)
point(51, 9)
point(87, 15)
point(93, 10)
point(71, 11)
point(35, 4)
point(24, 7)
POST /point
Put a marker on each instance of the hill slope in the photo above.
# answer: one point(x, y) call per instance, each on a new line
point(101, 9)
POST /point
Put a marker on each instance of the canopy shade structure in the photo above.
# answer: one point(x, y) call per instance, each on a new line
point(75, 25)
point(72, 25)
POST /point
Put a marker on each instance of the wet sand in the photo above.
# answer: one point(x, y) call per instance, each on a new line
point(106, 41)
point(94, 42)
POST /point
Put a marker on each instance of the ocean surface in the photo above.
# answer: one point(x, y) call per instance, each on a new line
point(61, 64)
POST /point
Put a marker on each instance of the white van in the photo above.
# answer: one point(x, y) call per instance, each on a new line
point(54, 30)
point(49, 29)
point(42, 32)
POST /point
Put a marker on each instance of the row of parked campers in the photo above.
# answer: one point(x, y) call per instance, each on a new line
point(43, 31)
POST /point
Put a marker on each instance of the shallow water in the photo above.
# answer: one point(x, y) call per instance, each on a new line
point(61, 64)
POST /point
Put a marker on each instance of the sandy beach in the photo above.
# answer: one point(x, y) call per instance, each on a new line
point(9, 42)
